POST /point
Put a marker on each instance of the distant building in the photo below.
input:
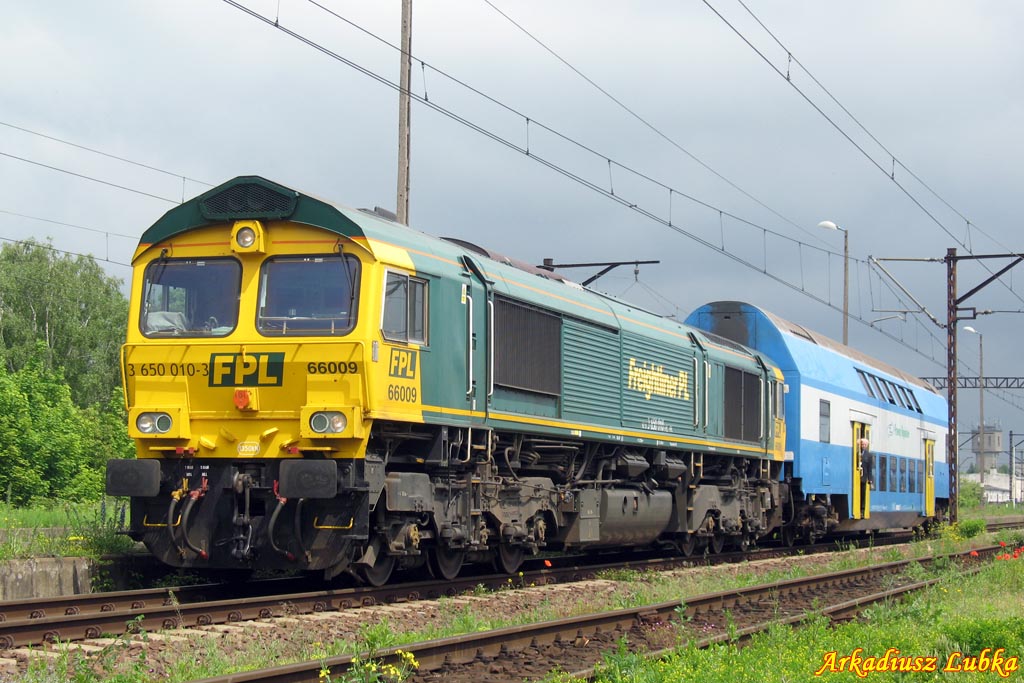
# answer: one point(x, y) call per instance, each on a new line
point(996, 488)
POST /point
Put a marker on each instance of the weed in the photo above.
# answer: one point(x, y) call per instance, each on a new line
point(628, 575)
point(971, 527)
point(378, 636)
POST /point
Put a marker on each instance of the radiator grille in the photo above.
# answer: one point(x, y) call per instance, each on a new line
point(248, 200)
point(528, 352)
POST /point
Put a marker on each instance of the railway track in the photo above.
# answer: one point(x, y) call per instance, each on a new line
point(89, 616)
point(577, 644)
point(220, 610)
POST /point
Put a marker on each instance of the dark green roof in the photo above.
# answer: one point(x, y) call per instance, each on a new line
point(249, 198)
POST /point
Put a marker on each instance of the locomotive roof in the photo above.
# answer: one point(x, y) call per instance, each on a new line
point(250, 198)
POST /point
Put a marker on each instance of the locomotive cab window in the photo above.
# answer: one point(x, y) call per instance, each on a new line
point(190, 298)
point(405, 309)
point(308, 295)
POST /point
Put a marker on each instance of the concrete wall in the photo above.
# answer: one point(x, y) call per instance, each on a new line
point(45, 577)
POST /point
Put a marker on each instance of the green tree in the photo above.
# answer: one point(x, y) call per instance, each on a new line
point(71, 305)
point(50, 447)
point(970, 494)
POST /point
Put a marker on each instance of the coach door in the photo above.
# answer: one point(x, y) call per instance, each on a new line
point(929, 477)
point(476, 298)
point(860, 501)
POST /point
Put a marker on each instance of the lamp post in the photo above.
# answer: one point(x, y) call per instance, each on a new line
point(981, 402)
point(829, 225)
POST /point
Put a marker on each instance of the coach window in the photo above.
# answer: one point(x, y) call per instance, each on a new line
point(917, 406)
point(310, 296)
point(190, 297)
point(899, 396)
point(894, 482)
point(878, 388)
point(405, 309)
point(824, 421)
point(903, 475)
point(882, 471)
point(866, 383)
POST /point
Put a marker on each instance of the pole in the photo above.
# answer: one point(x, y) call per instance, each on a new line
point(1013, 472)
point(981, 409)
point(846, 287)
point(951, 370)
point(403, 114)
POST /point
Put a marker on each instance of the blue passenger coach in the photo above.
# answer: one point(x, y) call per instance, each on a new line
point(835, 397)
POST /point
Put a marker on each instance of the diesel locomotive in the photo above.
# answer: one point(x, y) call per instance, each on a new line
point(321, 388)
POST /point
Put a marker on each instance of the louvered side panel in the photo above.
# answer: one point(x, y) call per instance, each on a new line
point(591, 381)
point(659, 385)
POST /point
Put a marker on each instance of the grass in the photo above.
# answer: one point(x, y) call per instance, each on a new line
point(64, 530)
point(959, 615)
point(41, 516)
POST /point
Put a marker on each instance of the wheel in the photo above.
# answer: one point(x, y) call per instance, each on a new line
point(508, 559)
point(686, 547)
point(789, 535)
point(445, 563)
point(717, 543)
point(379, 573)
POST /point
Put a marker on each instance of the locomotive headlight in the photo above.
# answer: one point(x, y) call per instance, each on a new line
point(246, 237)
point(154, 423)
point(146, 423)
point(328, 422)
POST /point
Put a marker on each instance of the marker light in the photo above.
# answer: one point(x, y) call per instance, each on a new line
point(328, 422)
point(154, 423)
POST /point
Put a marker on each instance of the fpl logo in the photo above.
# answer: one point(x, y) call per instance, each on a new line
point(403, 364)
point(249, 370)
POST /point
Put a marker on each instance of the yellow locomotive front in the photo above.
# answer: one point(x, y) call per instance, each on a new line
point(245, 383)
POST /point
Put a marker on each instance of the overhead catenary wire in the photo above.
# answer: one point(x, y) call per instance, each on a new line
point(895, 160)
point(530, 121)
point(849, 138)
point(792, 58)
point(69, 225)
point(106, 234)
point(90, 178)
point(646, 122)
point(105, 154)
point(480, 129)
point(50, 247)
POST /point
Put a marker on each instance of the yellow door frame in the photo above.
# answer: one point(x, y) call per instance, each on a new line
point(929, 477)
point(860, 490)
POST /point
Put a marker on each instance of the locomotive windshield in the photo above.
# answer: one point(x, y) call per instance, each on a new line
point(190, 298)
point(308, 295)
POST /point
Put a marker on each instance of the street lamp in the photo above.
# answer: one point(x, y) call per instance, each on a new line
point(981, 401)
point(829, 225)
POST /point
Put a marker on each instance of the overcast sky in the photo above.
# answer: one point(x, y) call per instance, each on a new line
point(200, 89)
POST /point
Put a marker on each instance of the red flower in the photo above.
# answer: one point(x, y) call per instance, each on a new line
point(974, 553)
point(1002, 543)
